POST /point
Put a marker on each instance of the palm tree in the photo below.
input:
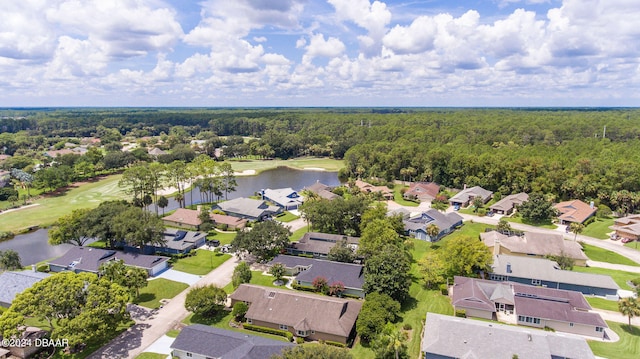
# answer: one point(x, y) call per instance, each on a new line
point(576, 228)
point(629, 307)
point(433, 231)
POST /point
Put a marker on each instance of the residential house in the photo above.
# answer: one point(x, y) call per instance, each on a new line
point(447, 337)
point(175, 241)
point(508, 204)
point(574, 211)
point(422, 191)
point(155, 152)
point(199, 341)
point(417, 226)
point(56, 153)
point(534, 244)
point(5, 177)
point(87, 259)
point(286, 198)
point(14, 283)
point(627, 227)
point(365, 187)
point(30, 337)
point(306, 270)
point(400, 211)
point(466, 196)
point(547, 273)
point(248, 208)
point(322, 190)
point(189, 219)
point(515, 303)
point(306, 315)
point(318, 244)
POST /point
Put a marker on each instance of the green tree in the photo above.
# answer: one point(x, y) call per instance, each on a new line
point(377, 310)
point(378, 233)
point(177, 175)
point(278, 271)
point(313, 351)
point(564, 261)
point(340, 216)
point(576, 228)
point(229, 182)
point(320, 284)
point(79, 307)
point(388, 272)
point(241, 274)
point(163, 202)
point(10, 260)
point(390, 343)
point(206, 223)
point(464, 256)
point(503, 225)
point(478, 203)
point(433, 231)
point(101, 224)
point(72, 228)
point(630, 307)
point(536, 209)
point(239, 310)
point(432, 269)
point(341, 252)
point(138, 228)
point(265, 240)
point(206, 301)
point(132, 278)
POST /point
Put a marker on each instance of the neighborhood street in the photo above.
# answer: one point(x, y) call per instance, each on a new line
point(145, 332)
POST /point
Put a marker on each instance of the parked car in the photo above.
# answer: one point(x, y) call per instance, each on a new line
point(614, 237)
point(213, 243)
point(626, 240)
point(226, 248)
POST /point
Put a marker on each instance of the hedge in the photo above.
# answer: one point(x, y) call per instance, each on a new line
point(335, 344)
point(256, 328)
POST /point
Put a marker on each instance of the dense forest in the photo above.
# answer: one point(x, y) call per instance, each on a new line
point(591, 154)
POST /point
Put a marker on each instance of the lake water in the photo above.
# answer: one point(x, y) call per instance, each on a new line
point(34, 247)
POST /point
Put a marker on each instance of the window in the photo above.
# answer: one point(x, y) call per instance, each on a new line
point(302, 333)
point(571, 324)
point(536, 320)
point(189, 355)
point(284, 327)
point(536, 282)
point(599, 329)
point(249, 321)
point(498, 277)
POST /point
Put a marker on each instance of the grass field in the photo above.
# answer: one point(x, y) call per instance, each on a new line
point(50, 208)
point(151, 356)
point(602, 255)
point(287, 217)
point(598, 228)
point(201, 263)
point(223, 237)
point(633, 245)
point(518, 219)
point(298, 234)
point(159, 289)
point(221, 320)
point(301, 163)
point(397, 197)
point(620, 277)
point(602, 303)
point(627, 347)
point(256, 278)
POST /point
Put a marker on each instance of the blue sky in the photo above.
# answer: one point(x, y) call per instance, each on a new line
point(319, 53)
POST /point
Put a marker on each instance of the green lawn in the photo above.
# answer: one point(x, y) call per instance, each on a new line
point(223, 237)
point(98, 244)
point(256, 278)
point(602, 255)
point(601, 303)
point(158, 289)
point(598, 228)
point(397, 197)
point(326, 164)
point(151, 356)
point(222, 321)
point(633, 245)
point(299, 233)
point(518, 219)
point(620, 277)
point(627, 347)
point(287, 217)
point(51, 207)
point(201, 263)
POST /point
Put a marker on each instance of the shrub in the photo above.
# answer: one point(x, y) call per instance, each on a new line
point(299, 340)
point(43, 268)
point(303, 288)
point(444, 289)
point(407, 326)
point(335, 344)
point(5, 235)
point(256, 328)
point(239, 310)
point(636, 281)
point(548, 329)
point(461, 313)
point(482, 212)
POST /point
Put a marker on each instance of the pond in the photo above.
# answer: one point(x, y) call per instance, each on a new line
point(34, 247)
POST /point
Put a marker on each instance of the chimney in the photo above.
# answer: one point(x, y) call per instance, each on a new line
point(464, 187)
point(199, 208)
point(496, 247)
point(591, 204)
point(33, 268)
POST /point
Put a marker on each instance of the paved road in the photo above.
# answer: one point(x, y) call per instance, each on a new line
point(145, 332)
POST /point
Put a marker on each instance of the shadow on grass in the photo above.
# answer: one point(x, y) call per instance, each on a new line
point(633, 330)
point(408, 304)
point(536, 223)
point(144, 298)
point(208, 319)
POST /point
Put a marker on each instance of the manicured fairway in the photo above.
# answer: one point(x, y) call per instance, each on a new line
point(327, 164)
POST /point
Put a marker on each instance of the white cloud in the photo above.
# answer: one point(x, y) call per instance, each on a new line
point(374, 17)
point(318, 46)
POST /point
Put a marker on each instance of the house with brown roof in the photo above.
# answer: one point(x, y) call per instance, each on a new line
point(189, 219)
point(539, 307)
point(369, 188)
point(574, 211)
point(318, 244)
point(322, 190)
point(627, 227)
point(535, 244)
point(306, 315)
point(508, 204)
point(422, 191)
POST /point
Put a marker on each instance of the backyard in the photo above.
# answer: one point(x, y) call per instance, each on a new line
point(203, 262)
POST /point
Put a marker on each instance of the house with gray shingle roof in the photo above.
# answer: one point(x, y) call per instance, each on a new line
point(322, 190)
point(307, 269)
point(201, 341)
point(508, 204)
point(466, 196)
point(417, 226)
point(88, 259)
point(309, 316)
point(453, 337)
point(319, 244)
point(539, 307)
point(547, 273)
point(251, 209)
point(14, 283)
point(285, 198)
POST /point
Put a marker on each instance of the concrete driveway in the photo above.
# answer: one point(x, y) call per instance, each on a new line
point(177, 276)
